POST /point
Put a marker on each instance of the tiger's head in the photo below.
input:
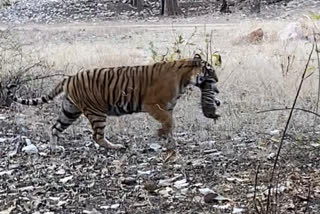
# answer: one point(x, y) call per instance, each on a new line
point(204, 71)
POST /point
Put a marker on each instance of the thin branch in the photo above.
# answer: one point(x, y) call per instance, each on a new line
point(308, 198)
point(41, 77)
point(287, 126)
point(308, 76)
point(282, 109)
point(255, 190)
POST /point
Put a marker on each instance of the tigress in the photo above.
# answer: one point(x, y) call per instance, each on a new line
point(115, 91)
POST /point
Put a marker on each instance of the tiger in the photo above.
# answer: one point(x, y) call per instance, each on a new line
point(114, 91)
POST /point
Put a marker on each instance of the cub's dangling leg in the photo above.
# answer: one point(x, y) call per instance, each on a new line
point(68, 114)
point(98, 124)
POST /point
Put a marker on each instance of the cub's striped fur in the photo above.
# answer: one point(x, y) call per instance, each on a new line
point(123, 90)
point(209, 102)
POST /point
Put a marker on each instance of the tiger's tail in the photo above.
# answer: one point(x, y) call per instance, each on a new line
point(37, 101)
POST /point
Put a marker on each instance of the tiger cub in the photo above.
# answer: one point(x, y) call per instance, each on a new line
point(209, 102)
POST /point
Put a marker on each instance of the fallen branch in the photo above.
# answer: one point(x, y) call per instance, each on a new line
point(283, 109)
point(286, 127)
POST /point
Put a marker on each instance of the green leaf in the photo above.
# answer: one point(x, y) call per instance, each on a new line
point(180, 40)
point(315, 16)
point(310, 69)
point(217, 59)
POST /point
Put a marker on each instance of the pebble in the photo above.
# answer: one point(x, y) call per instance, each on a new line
point(210, 197)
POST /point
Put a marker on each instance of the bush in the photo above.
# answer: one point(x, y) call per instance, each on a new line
point(14, 64)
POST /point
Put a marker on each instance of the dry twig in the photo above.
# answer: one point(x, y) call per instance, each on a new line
point(286, 128)
point(282, 109)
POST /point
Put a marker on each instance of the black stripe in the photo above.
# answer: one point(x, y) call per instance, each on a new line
point(99, 120)
point(76, 91)
point(22, 102)
point(68, 83)
point(121, 83)
point(82, 80)
point(44, 100)
point(71, 115)
point(34, 102)
point(103, 84)
point(89, 113)
point(88, 79)
point(129, 97)
point(95, 72)
point(127, 76)
point(93, 87)
point(99, 127)
point(141, 82)
point(110, 79)
point(97, 80)
point(150, 74)
point(84, 90)
point(63, 124)
point(133, 91)
point(116, 86)
point(174, 63)
point(55, 127)
point(152, 70)
point(145, 70)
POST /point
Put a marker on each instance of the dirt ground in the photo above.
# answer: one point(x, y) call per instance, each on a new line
point(217, 168)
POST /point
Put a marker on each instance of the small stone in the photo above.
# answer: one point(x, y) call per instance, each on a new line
point(30, 149)
point(129, 181)
point(275, 132)
point(210, 198)
point(150, 186)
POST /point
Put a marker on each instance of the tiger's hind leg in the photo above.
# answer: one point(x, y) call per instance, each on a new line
point(98, 124)
point(68, 114)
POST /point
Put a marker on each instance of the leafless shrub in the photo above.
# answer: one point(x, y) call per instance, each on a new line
point(14, 64)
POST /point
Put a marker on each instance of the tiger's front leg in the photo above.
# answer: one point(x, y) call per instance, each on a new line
point(164, 116)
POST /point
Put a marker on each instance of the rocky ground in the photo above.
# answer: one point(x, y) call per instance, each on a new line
point(212, 176)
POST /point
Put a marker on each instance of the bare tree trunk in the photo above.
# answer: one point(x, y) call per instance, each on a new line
point(224, 7)
point(170, 8)
point(138, 4)
point(256, 6)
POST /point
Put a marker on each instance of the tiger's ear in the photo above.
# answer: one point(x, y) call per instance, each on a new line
point(197, 61)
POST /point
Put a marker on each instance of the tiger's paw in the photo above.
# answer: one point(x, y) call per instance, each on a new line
point(56, 149)
point(115, 146)
point(163, 133)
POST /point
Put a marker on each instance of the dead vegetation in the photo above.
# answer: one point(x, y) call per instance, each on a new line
point(218, 168)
